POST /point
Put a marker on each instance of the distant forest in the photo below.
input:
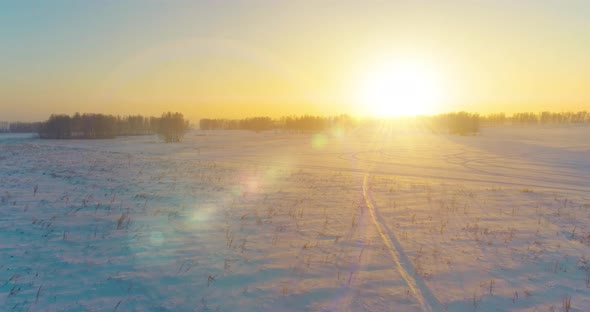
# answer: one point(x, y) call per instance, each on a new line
point(96, 126)
point(535, 118)
point(20, 127)
point(461, 123)
point(172, 126)
point(455, 123)
point(290, 123)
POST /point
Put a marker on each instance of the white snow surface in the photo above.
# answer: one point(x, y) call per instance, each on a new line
point(375, 219)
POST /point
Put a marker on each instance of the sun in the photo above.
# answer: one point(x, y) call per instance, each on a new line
point(400, 88)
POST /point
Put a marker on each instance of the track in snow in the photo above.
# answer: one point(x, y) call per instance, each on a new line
point(421, 292)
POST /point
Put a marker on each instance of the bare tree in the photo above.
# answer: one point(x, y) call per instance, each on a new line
point(172, 127)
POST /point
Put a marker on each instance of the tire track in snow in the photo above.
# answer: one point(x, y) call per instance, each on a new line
point(422, 293)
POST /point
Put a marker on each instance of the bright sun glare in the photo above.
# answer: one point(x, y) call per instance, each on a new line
point(400, 89)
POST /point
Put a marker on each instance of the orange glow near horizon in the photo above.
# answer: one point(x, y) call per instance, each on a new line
point(208, 59)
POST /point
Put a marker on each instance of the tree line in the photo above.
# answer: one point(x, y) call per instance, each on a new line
point(467, 123)
point(289, 123)
point(170, 126)
point(453, 123)
point(546, 117)
point(21, 127)
point(98, 126)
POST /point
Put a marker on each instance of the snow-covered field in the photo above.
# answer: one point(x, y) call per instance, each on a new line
point(376, 219)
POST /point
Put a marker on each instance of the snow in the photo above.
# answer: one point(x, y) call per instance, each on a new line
point(375, 219)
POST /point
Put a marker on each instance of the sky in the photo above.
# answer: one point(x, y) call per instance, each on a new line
point(232, 59)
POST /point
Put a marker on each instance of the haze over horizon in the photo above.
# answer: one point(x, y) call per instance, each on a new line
point(215, 59)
